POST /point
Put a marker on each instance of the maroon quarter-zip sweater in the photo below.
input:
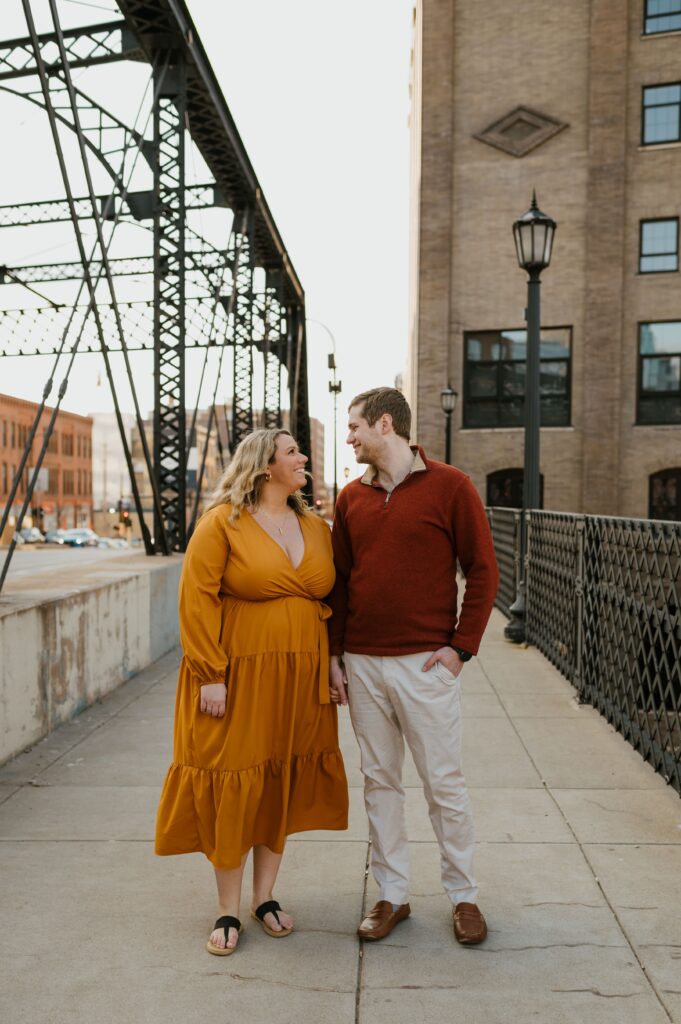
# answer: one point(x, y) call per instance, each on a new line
point(396, 555)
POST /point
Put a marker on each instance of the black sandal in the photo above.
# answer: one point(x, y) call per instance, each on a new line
point(225, 923)
point(270, 907)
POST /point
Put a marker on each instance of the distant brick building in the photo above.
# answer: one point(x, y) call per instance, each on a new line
point(581, 101)
point(63, 497)
point(320, 490)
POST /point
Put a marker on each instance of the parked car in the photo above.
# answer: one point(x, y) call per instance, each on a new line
point(81, 537)
point(55, 536)
point(31, 535)
point(112, 542)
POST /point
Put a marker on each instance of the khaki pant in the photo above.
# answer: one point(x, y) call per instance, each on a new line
point(391, 700)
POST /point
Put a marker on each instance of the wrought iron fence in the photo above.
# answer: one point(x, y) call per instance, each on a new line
point(631, 667)
point(505, 526)
point(554, 595)
point(604, 606)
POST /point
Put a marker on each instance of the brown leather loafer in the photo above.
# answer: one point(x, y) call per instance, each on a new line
point(469, 924)
point(381, 920)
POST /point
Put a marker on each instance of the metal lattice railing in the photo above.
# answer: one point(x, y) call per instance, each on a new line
point(505, 526)
point(604, 606)
point(631, 657)
point(554, 588)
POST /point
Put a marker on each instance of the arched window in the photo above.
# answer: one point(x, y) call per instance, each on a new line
point(505, 489)
point(664, 494)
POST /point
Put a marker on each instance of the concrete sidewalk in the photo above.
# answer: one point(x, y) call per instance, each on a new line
point(579, 863)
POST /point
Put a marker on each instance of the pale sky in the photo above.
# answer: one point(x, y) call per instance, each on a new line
point(320, 95)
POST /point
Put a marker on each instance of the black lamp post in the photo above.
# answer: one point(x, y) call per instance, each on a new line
point(335, 388)
point(448, 399)
point(533, 234)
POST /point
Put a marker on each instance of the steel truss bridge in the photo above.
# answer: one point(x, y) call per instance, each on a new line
point(241, 299)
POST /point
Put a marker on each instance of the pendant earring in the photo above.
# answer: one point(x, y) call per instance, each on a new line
point(268, 477)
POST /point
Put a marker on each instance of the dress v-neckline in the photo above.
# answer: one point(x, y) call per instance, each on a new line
point(280, 546)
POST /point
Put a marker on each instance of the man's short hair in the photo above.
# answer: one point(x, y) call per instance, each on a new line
point(381, 400)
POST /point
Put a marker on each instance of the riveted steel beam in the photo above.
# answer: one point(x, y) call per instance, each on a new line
point(242, 333)
point(121, 267)
point(169, 294)
point(272, 348)
point(139, 207)
point(85, 47)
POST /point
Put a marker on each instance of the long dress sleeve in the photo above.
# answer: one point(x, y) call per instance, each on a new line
point(200, 599)
point(338, 598)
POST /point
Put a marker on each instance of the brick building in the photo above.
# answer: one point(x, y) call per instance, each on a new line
point(64, 491)
point(582, 102)
point(320, 490)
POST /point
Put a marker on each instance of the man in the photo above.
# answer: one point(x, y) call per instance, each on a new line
point(398, 648)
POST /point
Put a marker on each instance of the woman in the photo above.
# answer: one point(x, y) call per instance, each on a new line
point(256, 753)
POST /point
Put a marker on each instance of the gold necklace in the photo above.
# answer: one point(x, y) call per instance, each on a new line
point(279, 529)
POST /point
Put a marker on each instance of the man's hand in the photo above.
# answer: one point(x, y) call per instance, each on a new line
point(338, 681)
point(213, 699)
point(449, 658)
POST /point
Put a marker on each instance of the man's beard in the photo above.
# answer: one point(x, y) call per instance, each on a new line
point(368, 455)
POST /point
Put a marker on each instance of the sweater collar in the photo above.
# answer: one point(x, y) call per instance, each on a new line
point(420, 465)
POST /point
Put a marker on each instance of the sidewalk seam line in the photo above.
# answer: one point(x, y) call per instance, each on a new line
point(360, 953)
point(579, 845)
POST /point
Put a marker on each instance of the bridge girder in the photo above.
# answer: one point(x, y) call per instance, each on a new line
point(160, 32)
point(85, 47)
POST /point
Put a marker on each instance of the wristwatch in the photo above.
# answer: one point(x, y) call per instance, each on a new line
point(463, 655)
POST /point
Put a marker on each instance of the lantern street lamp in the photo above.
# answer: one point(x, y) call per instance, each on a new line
point(335, 388)
point(448, 399)
point(533, 234)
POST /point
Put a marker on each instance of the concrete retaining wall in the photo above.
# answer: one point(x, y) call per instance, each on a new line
point(62, 647)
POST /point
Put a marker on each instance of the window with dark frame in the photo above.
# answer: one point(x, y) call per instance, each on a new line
point(659, 373)
point(662, 16)
point(659, 246)
point(661, 114)
point(664, 494)
point(494, 378)
point(505, 488)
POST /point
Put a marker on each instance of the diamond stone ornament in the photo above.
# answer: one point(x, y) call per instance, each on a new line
point(521, 131)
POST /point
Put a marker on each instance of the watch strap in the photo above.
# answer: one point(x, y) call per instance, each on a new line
point(464, 655)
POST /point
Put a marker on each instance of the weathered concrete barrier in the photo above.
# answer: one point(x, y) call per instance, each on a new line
point(71, 635)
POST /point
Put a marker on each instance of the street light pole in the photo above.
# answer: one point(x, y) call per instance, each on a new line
point(533, 234)
point(448, 399)
point(532, 394)
point(335, 387)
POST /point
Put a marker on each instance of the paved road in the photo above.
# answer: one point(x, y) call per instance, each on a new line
point(28, 561)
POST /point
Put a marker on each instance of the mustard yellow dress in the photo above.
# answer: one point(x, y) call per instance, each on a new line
point(272, 765)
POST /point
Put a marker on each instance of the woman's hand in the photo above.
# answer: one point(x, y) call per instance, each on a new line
point(213, 699)
point(338, 681)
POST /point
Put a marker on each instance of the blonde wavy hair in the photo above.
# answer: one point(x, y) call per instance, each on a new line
point(243, 481)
